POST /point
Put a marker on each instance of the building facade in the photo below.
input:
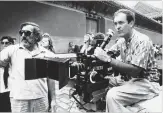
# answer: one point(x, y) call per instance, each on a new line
point(68, 21)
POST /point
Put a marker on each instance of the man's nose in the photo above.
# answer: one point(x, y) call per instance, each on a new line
point(118, 27)
point(23, 35)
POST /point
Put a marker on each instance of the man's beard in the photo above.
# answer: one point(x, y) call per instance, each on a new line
point(27, 44)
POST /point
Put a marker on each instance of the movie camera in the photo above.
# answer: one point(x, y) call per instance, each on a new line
point(89, 72)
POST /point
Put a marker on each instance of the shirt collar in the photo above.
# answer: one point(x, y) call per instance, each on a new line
point(132, 36)
point(21, 46)
point(39, 49)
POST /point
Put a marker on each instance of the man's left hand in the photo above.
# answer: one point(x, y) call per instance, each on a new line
point(101, 54)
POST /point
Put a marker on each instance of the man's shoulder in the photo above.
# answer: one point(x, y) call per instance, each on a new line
point(142, 38)
point(47, 52)
point(44, 49)
point(11, 48)
point(14, 46)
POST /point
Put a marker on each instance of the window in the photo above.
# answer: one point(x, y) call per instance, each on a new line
point(91, 25)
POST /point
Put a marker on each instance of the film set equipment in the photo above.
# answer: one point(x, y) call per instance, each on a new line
point(89, 72)
point(54, 68)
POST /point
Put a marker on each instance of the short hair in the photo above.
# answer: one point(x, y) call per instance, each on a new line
point(9, 38)
point(129, 14)
point(70, 43)
point(36, 30)
point(98, 37)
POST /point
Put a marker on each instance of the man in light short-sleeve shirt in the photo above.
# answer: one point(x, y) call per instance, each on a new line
point(26, 95)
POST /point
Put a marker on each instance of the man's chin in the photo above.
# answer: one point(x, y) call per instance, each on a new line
point(120, 34)
point(26, 44)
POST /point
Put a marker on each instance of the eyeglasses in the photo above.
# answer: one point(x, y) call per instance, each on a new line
point(26, 33)
point(6, 43)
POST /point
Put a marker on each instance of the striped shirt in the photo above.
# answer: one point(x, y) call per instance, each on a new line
point(137, 51)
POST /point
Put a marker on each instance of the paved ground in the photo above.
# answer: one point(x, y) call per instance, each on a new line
point(67, 103)
point(64, 100)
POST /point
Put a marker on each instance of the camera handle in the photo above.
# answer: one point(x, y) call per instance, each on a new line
point(107, 39)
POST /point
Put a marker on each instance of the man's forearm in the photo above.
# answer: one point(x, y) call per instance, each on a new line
point(125, 68)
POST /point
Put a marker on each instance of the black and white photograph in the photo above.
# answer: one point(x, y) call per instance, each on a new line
point(81, 56)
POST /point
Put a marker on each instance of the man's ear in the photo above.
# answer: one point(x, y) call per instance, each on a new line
point(132, 23)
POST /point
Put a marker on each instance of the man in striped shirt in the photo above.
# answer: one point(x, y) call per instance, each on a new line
point(137, 63)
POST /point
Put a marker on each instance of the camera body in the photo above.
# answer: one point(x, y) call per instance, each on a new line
point(90, 77)
point(90, 72)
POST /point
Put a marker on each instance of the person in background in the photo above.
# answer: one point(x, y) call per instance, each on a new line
point(88, 38)
point(47, 42)
point(155, 50)
point(160, 52)
point(27, 95)
point(6, 41)
point(73, 48)
point(4, 74)
point(137, 55)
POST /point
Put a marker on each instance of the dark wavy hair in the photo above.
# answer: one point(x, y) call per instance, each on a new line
point(9, 38)
point(51, 48)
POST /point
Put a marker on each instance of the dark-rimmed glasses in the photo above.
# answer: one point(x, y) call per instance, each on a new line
point(26, 33)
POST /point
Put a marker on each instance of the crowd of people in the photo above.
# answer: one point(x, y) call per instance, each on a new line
point(137, 61)
point(158, 51)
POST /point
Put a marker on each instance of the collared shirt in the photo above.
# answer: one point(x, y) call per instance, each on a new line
point(137, 51)
point(19, 87)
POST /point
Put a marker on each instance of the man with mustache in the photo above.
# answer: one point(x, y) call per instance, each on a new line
point(26, 95)
point(137, 55)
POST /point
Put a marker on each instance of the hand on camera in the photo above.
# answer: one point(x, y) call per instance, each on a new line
point(77, 65)
point(75, 68)
point(101, 54)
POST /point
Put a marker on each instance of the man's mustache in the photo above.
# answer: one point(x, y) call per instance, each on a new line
point(24, 39)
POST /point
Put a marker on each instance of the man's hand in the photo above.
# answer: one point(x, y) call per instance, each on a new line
point(78, 66)
point(101, 54)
